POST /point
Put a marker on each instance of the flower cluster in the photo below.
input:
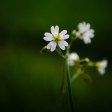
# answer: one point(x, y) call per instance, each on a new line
point(58, 41)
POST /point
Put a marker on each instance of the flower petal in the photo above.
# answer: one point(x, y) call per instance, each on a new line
point(101, 71)
point(52, 29)
point(86, 40)
point(65, 36)
point(63, 32)
point(47, 38)
point(48, 34)
point(51, 46)
point(83, 27)
point(56, 29)
point(65, 43)
point(62, 45)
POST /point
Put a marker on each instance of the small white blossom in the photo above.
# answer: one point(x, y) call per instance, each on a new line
point(55, 38)
point(102, 66)
point(72, 58)
point(85, 33)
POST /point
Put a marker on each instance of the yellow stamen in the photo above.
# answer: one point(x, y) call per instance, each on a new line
point(56, 37)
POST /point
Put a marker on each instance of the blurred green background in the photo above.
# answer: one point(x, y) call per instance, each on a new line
point(30, 81)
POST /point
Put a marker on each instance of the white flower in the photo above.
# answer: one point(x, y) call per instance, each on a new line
point(102, 66)
point(72, 58)
point(85, 33)
point(56, 38)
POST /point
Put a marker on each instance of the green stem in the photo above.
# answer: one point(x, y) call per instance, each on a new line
point(68, 48)
point(76, 75)
point(62, 88)
point(69, 85)
point(60, 53)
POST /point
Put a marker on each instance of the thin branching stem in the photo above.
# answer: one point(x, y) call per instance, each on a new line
point(60, 53)
point(69, 85)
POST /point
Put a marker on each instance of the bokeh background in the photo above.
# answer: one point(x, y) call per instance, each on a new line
point(30, 81)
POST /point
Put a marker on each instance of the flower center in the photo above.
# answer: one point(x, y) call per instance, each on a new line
point(56, 37)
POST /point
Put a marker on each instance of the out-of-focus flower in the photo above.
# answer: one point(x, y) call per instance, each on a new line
point(85, 33)
point(101, 66)
point(72, 58)
point(56, 38)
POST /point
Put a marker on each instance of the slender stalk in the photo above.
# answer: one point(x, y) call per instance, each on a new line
point(60, 53)
point(76, 75)
point(69, 85)
point(62, 88)
point(68, 48)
